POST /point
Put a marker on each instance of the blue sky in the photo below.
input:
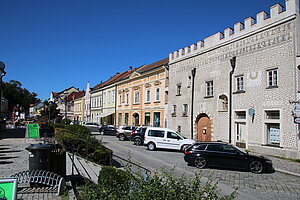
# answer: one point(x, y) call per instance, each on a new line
point(50, 45)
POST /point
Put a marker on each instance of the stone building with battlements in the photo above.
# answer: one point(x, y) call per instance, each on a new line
point(248, 102)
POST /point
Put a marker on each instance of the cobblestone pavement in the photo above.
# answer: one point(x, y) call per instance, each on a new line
point(265, 186)
point(14, 159)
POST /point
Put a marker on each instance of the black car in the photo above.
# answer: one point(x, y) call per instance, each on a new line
point(108, 130)
point(219, 154)
point(137, 136)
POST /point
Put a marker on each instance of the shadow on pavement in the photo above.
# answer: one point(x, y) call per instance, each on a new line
point(5, 162)
point(13, 133)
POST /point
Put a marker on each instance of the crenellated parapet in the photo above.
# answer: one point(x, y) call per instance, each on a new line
point(276, 14)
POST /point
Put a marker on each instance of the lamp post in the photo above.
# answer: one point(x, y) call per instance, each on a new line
point(2, 72)
point(232, 62)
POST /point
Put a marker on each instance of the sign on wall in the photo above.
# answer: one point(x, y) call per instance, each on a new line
point(8, 189)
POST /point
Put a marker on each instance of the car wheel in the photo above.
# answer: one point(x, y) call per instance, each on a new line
point(256, 167)
point(200, 162)
point(121, 137)
point(151, 146)
point(138, 141)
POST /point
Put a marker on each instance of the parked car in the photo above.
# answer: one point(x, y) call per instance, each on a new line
point(108, 130)
point(165, 138)
point(94, 127)
point(124, 132)
point(220, 154)
point(137, 136)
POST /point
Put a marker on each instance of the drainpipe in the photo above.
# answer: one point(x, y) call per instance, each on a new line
point(232, 62)
point(192, 103)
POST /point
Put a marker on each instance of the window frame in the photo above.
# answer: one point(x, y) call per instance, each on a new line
point(209, 88)
point(272, 78)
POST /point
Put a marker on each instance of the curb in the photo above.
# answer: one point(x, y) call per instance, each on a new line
point(287, 172)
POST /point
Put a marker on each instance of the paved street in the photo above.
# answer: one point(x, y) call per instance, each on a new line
point(276, 185)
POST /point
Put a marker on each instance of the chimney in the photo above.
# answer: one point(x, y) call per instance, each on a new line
point(130, 68)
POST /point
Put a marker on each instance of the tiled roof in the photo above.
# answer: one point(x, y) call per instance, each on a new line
point(117, 77)
point(75, 95)
point(159, 63)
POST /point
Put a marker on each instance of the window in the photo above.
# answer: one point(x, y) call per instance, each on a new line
point(272, 114)
point(272, 78)
point(156, 133)
point(199, 147)
point(209, 88)
point(178, 89)
point(104, 97)
point(214, 148)
point(113, 97)
point(120, 119)
point(273, 133)
point(147, 118)
point(156, 119)
point(240, 114)
point(127, 98)
point(136, 97)
point(174, 109)
point(108, 97)
point(173, 135)
point(239, 83)
point(120, 100)
point(148, 95)
point(184, 109)
point(157, 94)
point(126, 118)
point(272, 124)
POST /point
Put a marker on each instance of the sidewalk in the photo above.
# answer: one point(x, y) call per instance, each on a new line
point(14, 159)
point(284, 166)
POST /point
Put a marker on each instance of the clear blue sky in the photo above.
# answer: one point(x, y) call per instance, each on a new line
point(50, 45)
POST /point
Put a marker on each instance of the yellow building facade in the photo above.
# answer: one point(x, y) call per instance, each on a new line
point(141, 97)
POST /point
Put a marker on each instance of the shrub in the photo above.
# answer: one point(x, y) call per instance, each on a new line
point(78, 138)
point(117, 184)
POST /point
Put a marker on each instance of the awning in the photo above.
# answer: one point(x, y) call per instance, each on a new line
point(104, 114)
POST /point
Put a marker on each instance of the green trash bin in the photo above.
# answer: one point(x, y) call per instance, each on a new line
point(39, 156)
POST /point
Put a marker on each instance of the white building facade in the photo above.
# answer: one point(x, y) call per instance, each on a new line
point(265, 84)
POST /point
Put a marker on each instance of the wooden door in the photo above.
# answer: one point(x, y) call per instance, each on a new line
point(204, 129)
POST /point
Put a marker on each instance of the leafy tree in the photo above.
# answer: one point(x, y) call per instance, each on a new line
point(50, 110)
point(18, 97)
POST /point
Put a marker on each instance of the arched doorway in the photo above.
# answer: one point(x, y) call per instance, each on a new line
point(136, 119)
point(204, 128)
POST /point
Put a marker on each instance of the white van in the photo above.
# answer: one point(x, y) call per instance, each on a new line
point(165, 138)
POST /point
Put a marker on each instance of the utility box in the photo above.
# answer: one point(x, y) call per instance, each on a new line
point(39, 156)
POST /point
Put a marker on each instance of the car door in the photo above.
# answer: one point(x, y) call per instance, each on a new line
point(173, 140)
point(111, 130)
point(158, 137)
point(214, 155)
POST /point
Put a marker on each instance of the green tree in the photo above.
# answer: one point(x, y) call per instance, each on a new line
point(18, 97)
point(50, 110)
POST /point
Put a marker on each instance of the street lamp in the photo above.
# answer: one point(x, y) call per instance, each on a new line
point(232, 62)
point(2, 72)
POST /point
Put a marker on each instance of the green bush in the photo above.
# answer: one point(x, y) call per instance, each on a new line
point(102, 156)
point(79, 138)
point(117, 184)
